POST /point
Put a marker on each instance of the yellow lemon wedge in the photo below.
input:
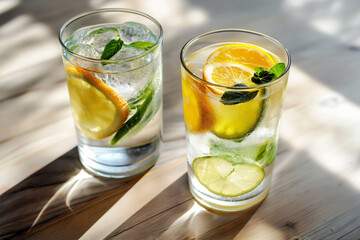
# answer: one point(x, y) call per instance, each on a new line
point(98, 110)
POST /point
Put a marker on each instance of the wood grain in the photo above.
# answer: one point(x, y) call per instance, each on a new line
point(345, 226)
point(45, 194)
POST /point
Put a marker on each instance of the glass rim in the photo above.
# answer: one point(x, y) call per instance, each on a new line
point(113, 10)
point(194, 39)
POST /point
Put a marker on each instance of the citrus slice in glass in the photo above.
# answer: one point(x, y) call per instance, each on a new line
point(236, 121)
point(227, 74)
point(198, 111)
point(246, 54)
point(229, 65)
point(98, 110)
point(225, 178)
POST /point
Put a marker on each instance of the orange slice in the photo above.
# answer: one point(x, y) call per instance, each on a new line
point(198, 111)
point(98, 110)
point(227, 74)
point(246, 54)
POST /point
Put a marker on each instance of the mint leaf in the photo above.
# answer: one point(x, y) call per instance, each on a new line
point(235, 97)
point(259, 69)
point(142, 45)
point(240, 85)
point(262, 75)
point(104, 30)
point(261, 151)
point(136, 118)
point(111, 48)
point(278, 69)
point(141, 105)
point(271, 154)
point(266, 152)
point(232, 97)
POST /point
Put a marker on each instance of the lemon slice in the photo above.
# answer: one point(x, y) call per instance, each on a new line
point(98, 110)
point(227, 179)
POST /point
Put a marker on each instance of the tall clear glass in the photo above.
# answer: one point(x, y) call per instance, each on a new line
point(231, 130)
point(113, 68)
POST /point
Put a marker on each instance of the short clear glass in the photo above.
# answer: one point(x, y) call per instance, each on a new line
point(231, 131)
point(113, 68)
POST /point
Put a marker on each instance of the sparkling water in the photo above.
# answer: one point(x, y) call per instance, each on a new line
point(133, 71)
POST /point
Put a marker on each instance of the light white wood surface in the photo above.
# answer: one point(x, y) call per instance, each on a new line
point(317, 173)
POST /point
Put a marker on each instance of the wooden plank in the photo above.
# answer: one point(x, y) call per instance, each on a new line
point(316, 175)
point(345, 226)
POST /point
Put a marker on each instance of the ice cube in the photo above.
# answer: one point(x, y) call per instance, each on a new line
point(136, 32)
point(85, 50)
point(127, 84)
point(126, 52)
point(99, 37)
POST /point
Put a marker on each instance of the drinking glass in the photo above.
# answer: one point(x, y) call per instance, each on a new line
point(113, 68)
point(232, 130)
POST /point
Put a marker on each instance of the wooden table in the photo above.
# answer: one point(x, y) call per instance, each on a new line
point(45, 194)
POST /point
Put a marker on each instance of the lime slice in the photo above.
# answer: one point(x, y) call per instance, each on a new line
point(236, 121)
point(227, 179)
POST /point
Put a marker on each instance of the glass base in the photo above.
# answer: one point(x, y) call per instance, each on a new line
point(121, 162)
point(227, 206)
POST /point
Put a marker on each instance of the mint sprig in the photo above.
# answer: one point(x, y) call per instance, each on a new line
point(278, 69)
point(262, 75)
point(111, 48)
point(114, 45)
point(141, 106)
point(266, 152)
point(141, 45)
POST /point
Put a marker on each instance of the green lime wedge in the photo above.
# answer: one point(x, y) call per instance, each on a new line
point(225, 178)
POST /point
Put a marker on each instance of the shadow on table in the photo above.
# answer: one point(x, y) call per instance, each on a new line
point(63, 201)
point(292, 205)
point(60, 189)
point(174, 214)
